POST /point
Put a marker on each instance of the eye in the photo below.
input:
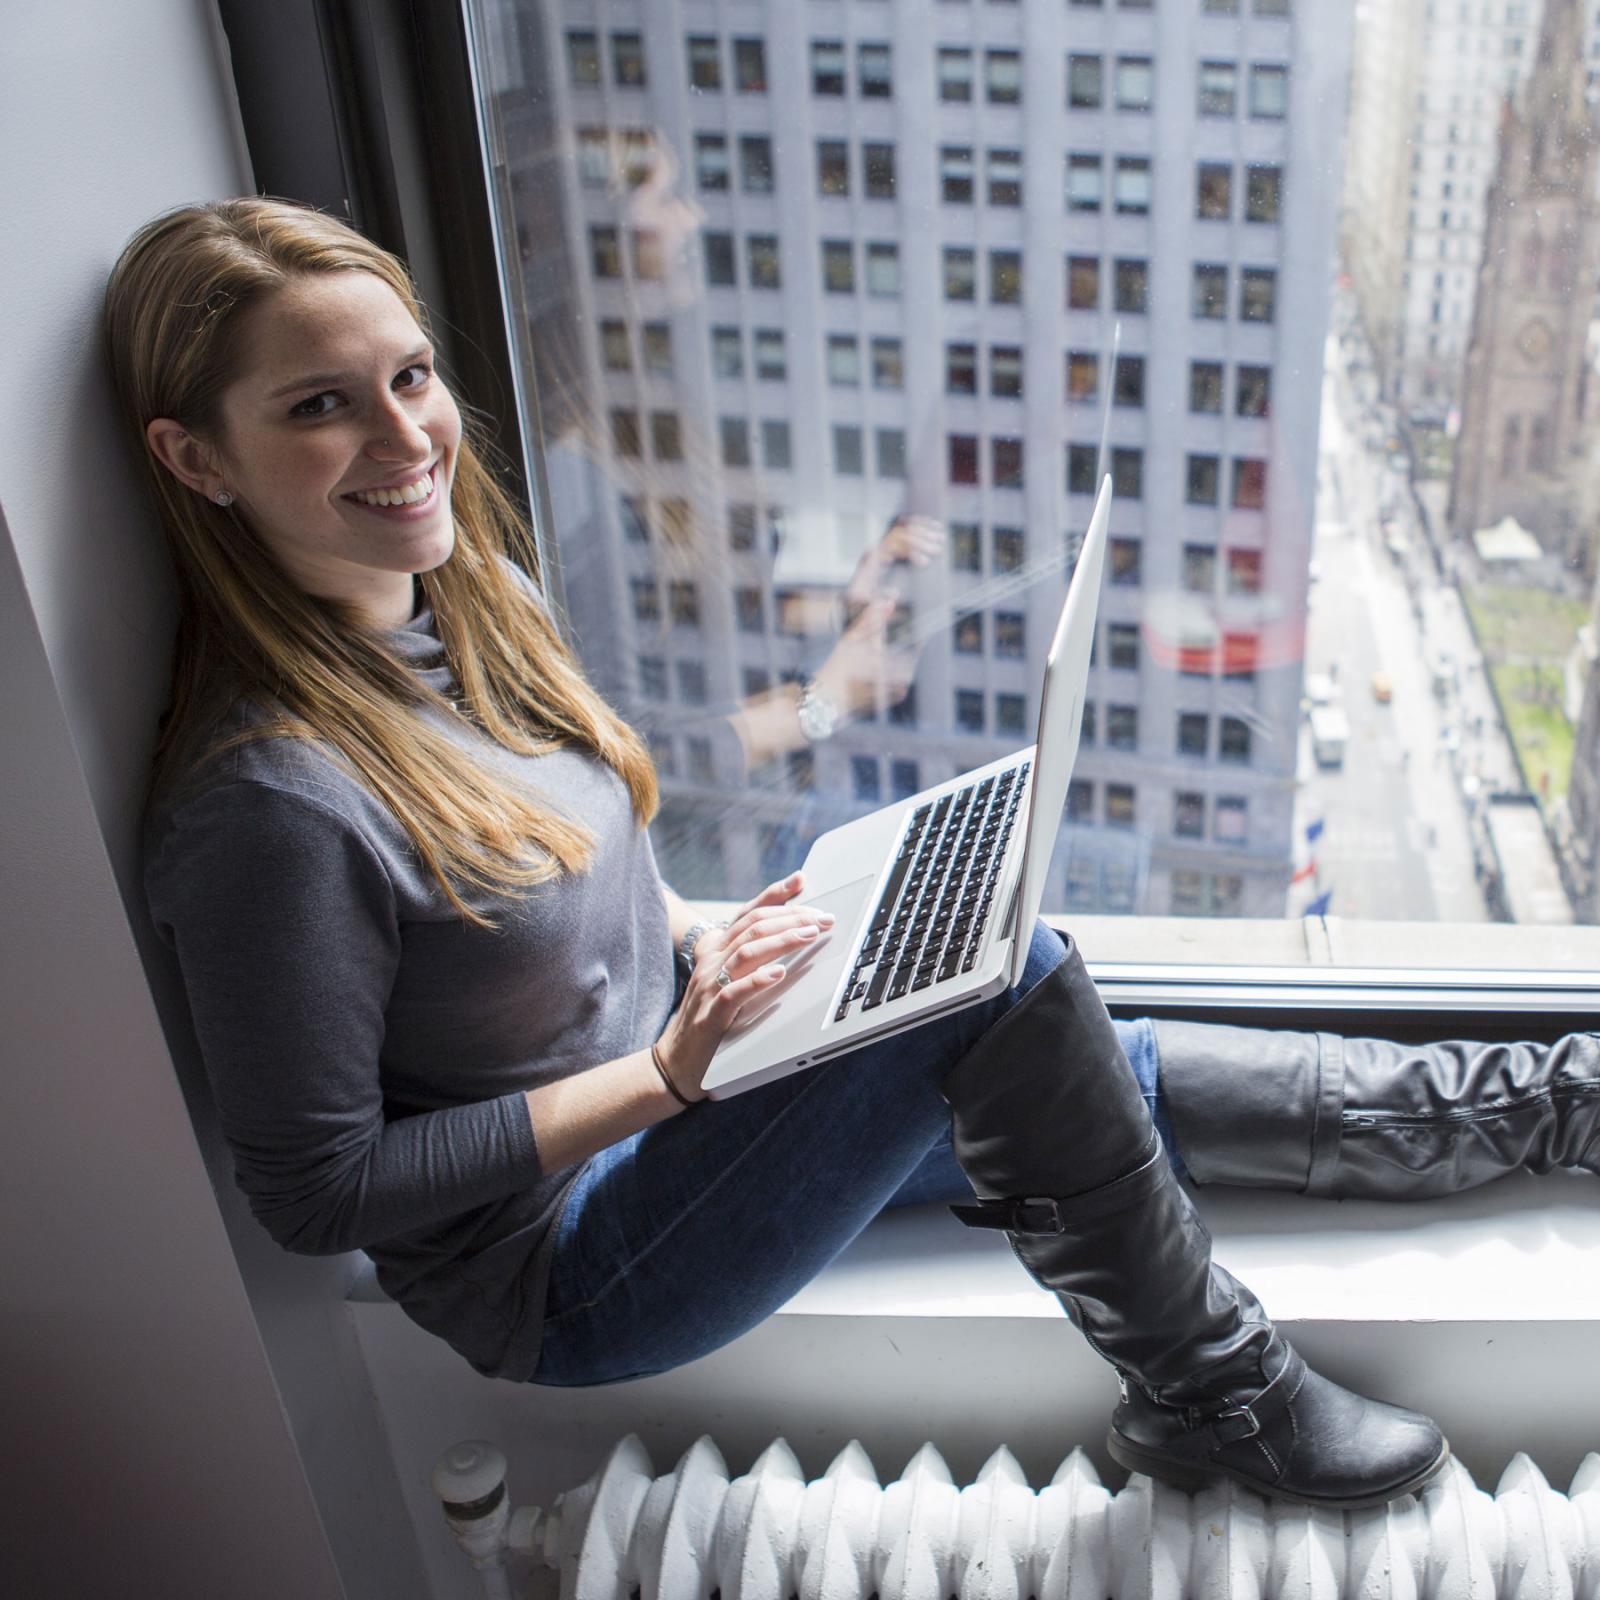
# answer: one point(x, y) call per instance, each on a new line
point(313, 406)
point(423, 371)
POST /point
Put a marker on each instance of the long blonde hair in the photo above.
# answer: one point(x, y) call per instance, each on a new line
point(175, 305)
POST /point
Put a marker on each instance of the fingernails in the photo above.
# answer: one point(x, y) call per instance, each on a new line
point(774, 971)
point(826, 917)
point(806, 930)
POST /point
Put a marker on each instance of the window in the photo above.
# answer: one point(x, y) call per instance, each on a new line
point(652, 678)
point(718, 250)
point(1005, 277)
point(1005, 371)
point(1002, 76)
point(1240, 652)
point(1244, 571)
point(775, 446)
point(734, 436)
point(844, 361)
point(1202, 479)
point(1124, 556)
point(614, 347)
point(705, 62)
point(1263, 193)
point(771, 362)
point(1132, 286)
point(873, 77)
point(605, 252)
point(955, 74)
point(1010, 713)
point(701, 767)
point(955, 174)
point(1205, 387)
point(1127, 383)
point(691, 678)
point(1085, 183)
point(666, 437)
point(960, 273)
point(1231, 819)
point(625, 438)
point(1005, 457)
point(963, 451)
point(1127, 474)
point(1122, 727)
point(1082, 466)
point(966, 635)
point(1008, 549)
point(1209, 296)
point(594, 158)
point(966, 551)
point(1219, 88)
point(1005, 177)
point(648, 263)
point(684, 603)
point(1122, 646)
point(1085, 88)
point(833, 167)
point(656, 338)
point(883, 270)
point(1200, 568)
point(1083, 283)
point(877, 165)
point(1133, 185)
point(583, 59)
point(889, 446)
point(905, 779)
point(762, 251)
point(1213, 191)
point(1010, 635)
point(1258, 293)
point(848, 458)
point(1135, 83)
point(634, 514)
point(755, 164)
point(1188, 815)
point(961, 369)
point(1080, 801)
point(969, 710)
point(1194, 734)
point(866, 778)
point(1233, 741)
point(646, 599)
point(1249, 484)
point(1269, 92)
point(827, 66)
point(838, 266)
point(888, 364)
point(750, 66)
point(727, 353)
point(1253, 391)
point(627, 61)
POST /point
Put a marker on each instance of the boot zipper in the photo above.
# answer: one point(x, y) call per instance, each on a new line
point(1500, 1108)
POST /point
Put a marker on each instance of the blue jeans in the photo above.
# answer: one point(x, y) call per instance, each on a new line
point(679, 1239)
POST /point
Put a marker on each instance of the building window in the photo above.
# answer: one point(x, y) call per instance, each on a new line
point(775, 445)
point(684, 602)
point(1082, 465)
point(1002, 77)
point(727, 352)
point(960, 273)
point(1005, 277)
point(1083, 283)
point(1258, 293)
point(614, 347)
point(1122, 727)
point(1202, 479)
point(750, 66)
point(1218, 89)
point(1189, 815)
point(656, 338)
point(1233, 741)
point(963, 450)
point(1083, 377)
point(966, 551)
point(874, 79)
point(625, 437)
point(1125, 559)
point(634, 514)
point(1085, 83)
point(848, 459)
point(955, 74)
point(969, 710)
point(1127, 474)
point(866, 778)
point(1119, 805)
point(1133, 186)
point(734, 436)
point(1005, 458)
point(1085, 183)
point(833, 167)
point(771, 362)
point(1132, 286)
point(1252, 391)
point(1244, 571)
point(652, 678)
point(649, 266)
point(838, 266)
point(1005, 371)
point(1200, 568)
point(677, 525)
point(888, 364)
point(1269, 92)
point(646, 599)
point(1122, 646)
point(1010, 713)
point(1127, 383)
point(889, 444)
point(1230, 820)
point(877, 163)
point(1194, 734)
point(583, 59)
point(666, 437)
point(883, 270)
point(961, 369)
point(1213, 191)
point(718, 248)
point(1008, 549)
point(691, 676)
point(827, 66)
point(1249, 483)
point(1088, 722)
point(605, 252)
point(955, 174)
point(755, 164)
point(1209, 297)
point(1263, 193)
point(1004, 177)
point(627, 61)
point(1135, 83)
point(705, 61)
point(1205, 387)
point(844, 361)
point(905, 779)
point(966, 636)
point(1080, 801)
point(1010, 636)
point(594, 158)
point(1240, 652)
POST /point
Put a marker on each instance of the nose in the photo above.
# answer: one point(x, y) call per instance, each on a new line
point(397, 435)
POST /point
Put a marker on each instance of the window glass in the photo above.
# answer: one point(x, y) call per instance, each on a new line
point(758, 330)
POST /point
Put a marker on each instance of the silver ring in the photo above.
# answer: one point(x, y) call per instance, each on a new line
point(723, 978)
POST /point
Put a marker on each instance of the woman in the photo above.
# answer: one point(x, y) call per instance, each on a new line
point(398, 845)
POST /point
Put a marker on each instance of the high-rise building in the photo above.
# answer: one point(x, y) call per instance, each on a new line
point(837, 262)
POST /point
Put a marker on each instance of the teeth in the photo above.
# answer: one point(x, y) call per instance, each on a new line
point(407, 496)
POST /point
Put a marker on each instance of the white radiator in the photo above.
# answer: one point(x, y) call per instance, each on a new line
point(693, 1534)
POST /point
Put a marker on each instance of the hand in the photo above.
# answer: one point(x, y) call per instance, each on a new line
point(749, 951)
point(864, 671)
point(913, 540)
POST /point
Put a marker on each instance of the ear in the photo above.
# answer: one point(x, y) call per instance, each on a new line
point(187, 458)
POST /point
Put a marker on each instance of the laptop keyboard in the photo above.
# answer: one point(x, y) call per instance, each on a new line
point(929, 921)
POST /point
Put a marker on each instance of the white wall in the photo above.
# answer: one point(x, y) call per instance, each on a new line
point(181, 1401)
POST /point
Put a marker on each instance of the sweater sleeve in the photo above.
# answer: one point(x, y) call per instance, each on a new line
point(284, 924)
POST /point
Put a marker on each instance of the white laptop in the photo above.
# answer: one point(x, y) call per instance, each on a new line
point(935, 896)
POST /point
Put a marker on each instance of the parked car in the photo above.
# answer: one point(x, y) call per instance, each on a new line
point(1382, 688)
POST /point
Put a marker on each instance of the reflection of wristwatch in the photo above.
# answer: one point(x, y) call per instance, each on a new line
point(817, 714)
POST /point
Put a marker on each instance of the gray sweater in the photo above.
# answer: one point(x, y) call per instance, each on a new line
point(369, 1050)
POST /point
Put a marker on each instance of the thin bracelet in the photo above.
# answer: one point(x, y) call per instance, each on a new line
point(672, 1088)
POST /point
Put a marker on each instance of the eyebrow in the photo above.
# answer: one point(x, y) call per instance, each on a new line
point(328, 380)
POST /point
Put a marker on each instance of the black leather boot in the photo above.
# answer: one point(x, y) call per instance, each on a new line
point(1366, 1117)
point(1052, 1131)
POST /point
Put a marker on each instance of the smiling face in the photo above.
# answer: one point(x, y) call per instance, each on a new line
point(339, 442)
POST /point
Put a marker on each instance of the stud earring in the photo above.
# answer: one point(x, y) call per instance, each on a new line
point(223, 498)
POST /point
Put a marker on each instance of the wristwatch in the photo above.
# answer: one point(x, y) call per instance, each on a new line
point(817, 714)
point(691, 939)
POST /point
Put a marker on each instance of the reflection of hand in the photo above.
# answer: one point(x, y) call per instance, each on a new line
point(748, 951)
point(864, 671)
point(915, 540)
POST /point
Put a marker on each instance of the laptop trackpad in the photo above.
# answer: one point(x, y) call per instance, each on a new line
point(814, 969)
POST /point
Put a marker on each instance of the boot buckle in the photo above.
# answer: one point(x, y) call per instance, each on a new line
point(1037, 1214)
point(1224, 1425)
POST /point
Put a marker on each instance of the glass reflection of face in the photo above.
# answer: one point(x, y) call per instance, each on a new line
point(655, 205)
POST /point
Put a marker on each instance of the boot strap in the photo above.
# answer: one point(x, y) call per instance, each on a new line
point(1236, 1423)
point(1043, 1213)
